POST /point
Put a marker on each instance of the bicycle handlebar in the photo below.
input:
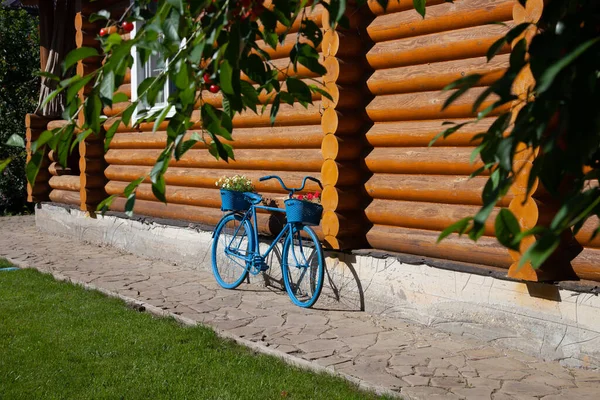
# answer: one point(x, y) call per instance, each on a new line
point(292, 190)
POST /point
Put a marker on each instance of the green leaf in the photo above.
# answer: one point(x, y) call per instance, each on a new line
point(15, 140)
point(159, 188)
point(92, 110)
point(105, 204)
point(110, 133)
point(107, 87)
point(539, 252)
point(129, 189)
point(120, 97)
point(547, 78)
point(51, 96)
point(102, 14)
point(4, 163)
point(420, 7)
point(80, 137)
point(44, 138)
point(507, 229)
point(33, 167)
point(298, 89)
point(459, 227)
point(161, 117)
point(178, 4)
point(323, 92)
point(226, 77)
point(130, 204)
point(76, 86)
point(78, 54)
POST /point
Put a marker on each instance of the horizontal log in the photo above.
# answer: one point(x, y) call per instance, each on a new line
point(216, 99)
point(65, 197)
point(427, 105)
point(440, 18)
point(584, 236)
point(341, 148)
point(287, 116)
point(39, 192)
point(283, 48)
point(57, 124)
point(344, 71)
point(90, 198)
point(342, 198)
point(274, 160)
point(486, 251)
point(343, 121)
point(587, 264)
point(345, 173)
point(430, 188)
point(314, 14)
point(267, 224)
point(204, 197)
point(92, 181)
point(435, 76)
point(445, 46)
point(65, 182)
point(346, 97)
point(206, 178)
point(417, 160)
point(352, 44)
point(420, 133)
point(419, 215)
point(397, 6)
point(88, 39)
point(91, 149)
point(300, 137)
point(338, 223)
point(56, 170)
point(92, 165)
point(35, 121)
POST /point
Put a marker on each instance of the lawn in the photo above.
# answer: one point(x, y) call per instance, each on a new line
point(58, 340)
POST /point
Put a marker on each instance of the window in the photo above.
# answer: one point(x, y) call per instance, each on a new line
point(139, 72)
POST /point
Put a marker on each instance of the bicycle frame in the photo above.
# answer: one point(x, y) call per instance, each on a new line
point(254, 222)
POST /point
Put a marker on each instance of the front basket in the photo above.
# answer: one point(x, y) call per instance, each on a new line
point(305, 212)
point(233, 201)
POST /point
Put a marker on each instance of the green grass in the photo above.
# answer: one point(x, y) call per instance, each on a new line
point(58, 340)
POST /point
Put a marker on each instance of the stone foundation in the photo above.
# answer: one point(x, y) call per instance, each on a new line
point(539, 319)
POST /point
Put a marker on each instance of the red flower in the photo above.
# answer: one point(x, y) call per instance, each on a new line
point(309, 196)
point(300, 197)
point(317, 195)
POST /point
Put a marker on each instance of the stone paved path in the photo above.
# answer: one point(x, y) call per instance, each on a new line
point(410, 359)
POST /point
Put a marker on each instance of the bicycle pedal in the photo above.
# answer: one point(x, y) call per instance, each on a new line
point(264, 267)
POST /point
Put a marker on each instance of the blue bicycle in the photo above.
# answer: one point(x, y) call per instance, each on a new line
point(236, 251)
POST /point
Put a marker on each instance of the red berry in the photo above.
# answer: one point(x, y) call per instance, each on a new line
point(206, 78)
point(127, 26)
point(103, 32)
point(214, 89)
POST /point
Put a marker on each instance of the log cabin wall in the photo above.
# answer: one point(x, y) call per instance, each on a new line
point(385, 188)
point(290, 149)
point(416, 191)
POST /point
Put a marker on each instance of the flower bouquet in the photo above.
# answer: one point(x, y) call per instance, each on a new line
point(232, 192)
point(305, 209)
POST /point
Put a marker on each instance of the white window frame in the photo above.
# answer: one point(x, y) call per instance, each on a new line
point(138, 75)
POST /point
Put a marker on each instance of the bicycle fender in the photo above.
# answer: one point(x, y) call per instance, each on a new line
point(220, 222)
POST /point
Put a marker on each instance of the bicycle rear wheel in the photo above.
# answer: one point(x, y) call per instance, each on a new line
point(302, 266)
point(232, 243)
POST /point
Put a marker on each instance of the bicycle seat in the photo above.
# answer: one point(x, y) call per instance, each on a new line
point(253, 198)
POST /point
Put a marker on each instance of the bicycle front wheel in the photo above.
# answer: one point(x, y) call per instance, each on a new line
point(232, 243)
point(302, 266)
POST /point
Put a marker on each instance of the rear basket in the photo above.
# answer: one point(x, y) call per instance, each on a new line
point(303, 212)
point(233, 201)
